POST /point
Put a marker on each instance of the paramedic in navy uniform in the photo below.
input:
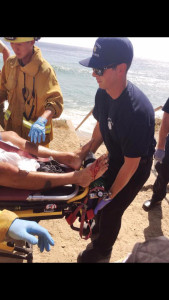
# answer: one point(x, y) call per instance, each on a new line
point(125, 123)
point(162, 162)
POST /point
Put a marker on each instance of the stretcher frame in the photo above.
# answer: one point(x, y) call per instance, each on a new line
point(29, 205)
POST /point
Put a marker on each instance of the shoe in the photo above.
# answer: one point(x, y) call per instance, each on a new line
point(90, 255)
point(149, 204)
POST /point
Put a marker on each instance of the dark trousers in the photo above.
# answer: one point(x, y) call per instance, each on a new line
point(111, 215)
point(160, 184)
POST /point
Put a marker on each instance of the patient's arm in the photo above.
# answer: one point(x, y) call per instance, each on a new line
point(71, 159)
point(11, 176)
point(15, 139)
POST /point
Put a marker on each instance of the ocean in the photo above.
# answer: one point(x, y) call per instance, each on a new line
point(79, 87)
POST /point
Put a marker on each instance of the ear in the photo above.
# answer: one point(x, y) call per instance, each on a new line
point(32, 42)
point(122, 69)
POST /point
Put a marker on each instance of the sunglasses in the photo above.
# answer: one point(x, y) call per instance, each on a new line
point(100, 72)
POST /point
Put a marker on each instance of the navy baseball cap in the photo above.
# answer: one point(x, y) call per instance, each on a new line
point(108, 51)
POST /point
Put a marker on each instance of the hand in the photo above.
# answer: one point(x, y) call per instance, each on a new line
point(38, 130)
point(159, 155)
point(102, 204)
point(25, 231)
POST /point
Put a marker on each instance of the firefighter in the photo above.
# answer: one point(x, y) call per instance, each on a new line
point(30, 85)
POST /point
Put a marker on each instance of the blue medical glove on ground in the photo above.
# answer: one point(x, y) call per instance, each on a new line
point(159, 155)
point(37, 130)
point(25, 231)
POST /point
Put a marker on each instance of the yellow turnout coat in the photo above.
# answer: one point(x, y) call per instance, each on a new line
point(6, 219)
point(30, 90)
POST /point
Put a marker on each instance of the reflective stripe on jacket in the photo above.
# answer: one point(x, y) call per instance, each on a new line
point(28, 125)
point(7, 114)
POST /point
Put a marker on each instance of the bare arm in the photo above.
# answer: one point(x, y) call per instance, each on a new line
point(4, 50)
point(41, 151)
point(11, 176)
point(48, 114)
point(96, 139)
point(6, 53)
point(15, 178)
point(37, 150)
point(124, 175)
point(71, 159)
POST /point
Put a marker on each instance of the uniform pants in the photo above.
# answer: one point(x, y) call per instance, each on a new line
point(160, 184)
point(110, 216)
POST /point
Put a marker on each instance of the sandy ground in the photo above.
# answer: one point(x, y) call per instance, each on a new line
point(137, 225)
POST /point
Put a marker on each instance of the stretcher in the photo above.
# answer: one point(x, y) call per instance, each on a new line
point(69, 201)
point(30, 205)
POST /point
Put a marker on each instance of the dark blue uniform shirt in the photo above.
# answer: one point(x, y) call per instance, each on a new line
point(166, 158)
point(126, 124)
point(166, 106)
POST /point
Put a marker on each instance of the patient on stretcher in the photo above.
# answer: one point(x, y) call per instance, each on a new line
point(22, 166)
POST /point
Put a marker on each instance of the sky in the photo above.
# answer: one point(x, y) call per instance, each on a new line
point(155, 48)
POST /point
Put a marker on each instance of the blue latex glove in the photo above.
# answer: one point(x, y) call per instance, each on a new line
point(101, 204)
point(38, 130)
point(25, 231)
point(159, 155)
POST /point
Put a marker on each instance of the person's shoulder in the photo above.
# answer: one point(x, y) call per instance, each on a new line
point(136, 92)
point(46, 69)
point(166, 106)
point(46, 65)
point(139, 99)
point(11, 63)
point(11, 60)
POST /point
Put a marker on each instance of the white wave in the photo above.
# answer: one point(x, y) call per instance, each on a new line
point(73, 69)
